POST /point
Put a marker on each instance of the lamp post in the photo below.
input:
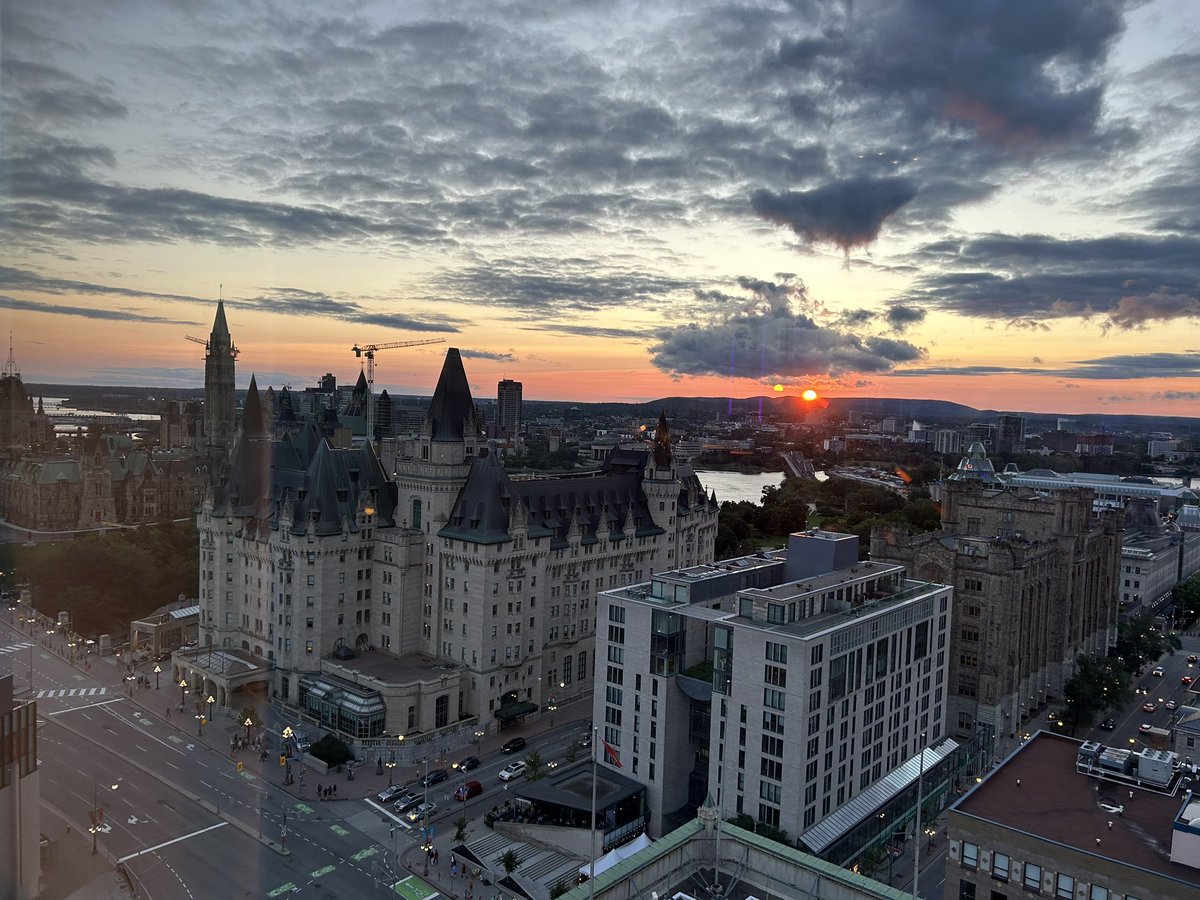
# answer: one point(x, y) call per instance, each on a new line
point(249, 721)
point(182, 691)
point(157, 672)
point(200, 724)
point(427, 844)
point(97, 815)
point(389, 765)
point(210, 701)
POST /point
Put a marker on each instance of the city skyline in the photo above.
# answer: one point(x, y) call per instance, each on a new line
point(990, 204)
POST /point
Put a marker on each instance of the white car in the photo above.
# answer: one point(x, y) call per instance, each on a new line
point(1158, 670)
point(388, 794)
point(513, 770)
point(422, 812)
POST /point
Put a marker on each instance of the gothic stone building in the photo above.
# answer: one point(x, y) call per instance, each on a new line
point(1034, 578)
point(447, 595)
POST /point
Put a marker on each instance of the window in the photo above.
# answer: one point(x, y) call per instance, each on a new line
point(1064, 887)
point(1099, 893)
point(1000, 865)
point(308, 646)
point(970, 854)
point(1033, 877)
point(966, 890)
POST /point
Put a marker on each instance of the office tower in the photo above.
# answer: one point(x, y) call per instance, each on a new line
point(508, 406)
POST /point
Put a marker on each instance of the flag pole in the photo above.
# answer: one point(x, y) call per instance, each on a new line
point(592, 824)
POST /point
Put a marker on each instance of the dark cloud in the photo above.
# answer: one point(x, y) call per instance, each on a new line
point(846, 214)
point(769, 334)
point(598, 331)
point(111, 315)
point(43, 92)
point(299, 302)
point(1121, 367)
point(488, 354)
point(1124, 281)
point(13, 279)
point(547, 286)
point(900, 317)
point(1176, 396)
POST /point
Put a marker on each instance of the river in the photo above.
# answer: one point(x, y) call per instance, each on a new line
point(736, 486)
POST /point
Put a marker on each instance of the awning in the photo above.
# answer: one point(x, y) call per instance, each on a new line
point(510, 711)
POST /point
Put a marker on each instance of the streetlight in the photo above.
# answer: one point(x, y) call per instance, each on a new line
point(200, 724)
point(210, 701)
point(182, 691)
point(249, 721)
point(157, 672)
point(427, 843)
point(390, 764)
point(97, 814)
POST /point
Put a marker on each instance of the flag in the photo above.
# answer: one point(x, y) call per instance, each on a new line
point(611, 754)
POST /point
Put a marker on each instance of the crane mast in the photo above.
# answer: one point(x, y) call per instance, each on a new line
point(368, 350)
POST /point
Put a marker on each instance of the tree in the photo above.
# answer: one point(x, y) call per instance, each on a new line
point(534, 766)
point(1187, 600)
point(1138, 642)
point(509, 861)
point(572, 752)
point(460, 828)
point(1098, 686)
point(331, 750)
point(742, 820)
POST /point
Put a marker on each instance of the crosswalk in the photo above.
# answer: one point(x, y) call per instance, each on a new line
point(70, 692)
point(15, 648)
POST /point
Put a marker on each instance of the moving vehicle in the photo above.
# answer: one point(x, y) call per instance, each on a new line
point(1109, 724)
point(468, 763)
point(1186, 679)
point(1145, 727)
point(1157, 671)
point(512, 746)
point(407, 802)
point(434, 776)
point(1149, 706)
point(513, 770)
point(1193, 659)
point(423, 811)
point(467, 791)
point(1171, 705)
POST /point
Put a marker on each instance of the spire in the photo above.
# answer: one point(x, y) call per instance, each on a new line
point(220, 329)
point(662, 442)
point(10, 367)
point(252, 413)
point(452, 406)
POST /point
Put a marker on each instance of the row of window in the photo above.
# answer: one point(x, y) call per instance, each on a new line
point(1031, 877)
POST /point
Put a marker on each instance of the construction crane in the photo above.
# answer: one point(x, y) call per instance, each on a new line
point(368, 350)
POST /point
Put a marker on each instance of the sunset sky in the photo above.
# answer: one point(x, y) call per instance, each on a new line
point(995, 202)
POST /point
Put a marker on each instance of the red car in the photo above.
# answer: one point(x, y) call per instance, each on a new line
point(1149, 706)
point(467, 791)
point(1186, 679)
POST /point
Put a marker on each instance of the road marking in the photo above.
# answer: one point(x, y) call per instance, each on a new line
point(174, 739)
point(171, 764)
point(249, 776)
point(13, 648)
point(182, 837)
point(338, 830)
point(363, 854)
point(89, 706)
point(282, 889)
point(70, 692)
point(387, 812)
point(140, 747)
point(303, 807)
point(324, 870)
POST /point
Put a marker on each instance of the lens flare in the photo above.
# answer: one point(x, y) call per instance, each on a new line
point(809, 394)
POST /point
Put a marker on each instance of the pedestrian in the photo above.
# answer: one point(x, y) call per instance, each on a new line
point(454, 869)
point(168, 712)
point(335, 790)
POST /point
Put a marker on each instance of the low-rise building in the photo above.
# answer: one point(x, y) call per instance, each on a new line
point(1069, 819)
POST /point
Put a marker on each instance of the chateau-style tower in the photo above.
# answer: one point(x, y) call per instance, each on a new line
point(219, 356)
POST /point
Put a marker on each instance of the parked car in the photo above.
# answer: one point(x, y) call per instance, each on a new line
point(1109, 724)
point(1149, 706)
point(512, 746)
point(390, 793)
point(434, 776)
point(1158, 671)
point(422, 812)
point(1193, 658)
point(468, 763)
point(467, 791)
point(407, 802)
point(513, 770)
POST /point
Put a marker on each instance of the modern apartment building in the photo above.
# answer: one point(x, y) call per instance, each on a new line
point(783, 685)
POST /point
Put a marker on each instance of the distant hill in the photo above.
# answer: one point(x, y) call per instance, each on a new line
point(142, 399)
